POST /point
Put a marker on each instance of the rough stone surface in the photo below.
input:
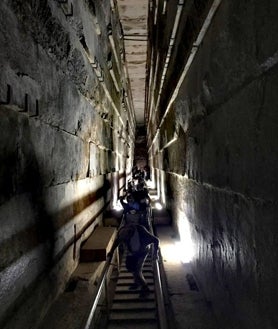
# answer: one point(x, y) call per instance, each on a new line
point(65, 136)
point(221, 165)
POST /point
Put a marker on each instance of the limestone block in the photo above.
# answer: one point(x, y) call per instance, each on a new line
point(98, 244)
point(111, 221)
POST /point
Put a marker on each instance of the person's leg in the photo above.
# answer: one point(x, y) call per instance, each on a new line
point(145, 219)
point(137, 277)
point(138, 273)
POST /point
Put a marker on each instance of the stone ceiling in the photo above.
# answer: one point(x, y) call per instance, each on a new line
point(133, 16)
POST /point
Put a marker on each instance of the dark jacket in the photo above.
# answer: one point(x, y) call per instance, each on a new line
point(143, 238)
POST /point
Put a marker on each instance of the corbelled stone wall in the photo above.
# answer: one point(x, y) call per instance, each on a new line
point(67, 138)
point(217, 144)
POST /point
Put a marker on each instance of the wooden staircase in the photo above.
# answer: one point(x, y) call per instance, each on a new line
point(129, 309)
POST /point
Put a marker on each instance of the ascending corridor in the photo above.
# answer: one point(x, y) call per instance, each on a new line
point(185, 92)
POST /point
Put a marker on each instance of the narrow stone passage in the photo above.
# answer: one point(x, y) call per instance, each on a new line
point(182, 94)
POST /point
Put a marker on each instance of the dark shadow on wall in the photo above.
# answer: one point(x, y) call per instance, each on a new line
point(23, 176)
point(44, 229)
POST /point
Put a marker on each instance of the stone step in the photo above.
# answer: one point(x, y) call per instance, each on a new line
point(98, 244)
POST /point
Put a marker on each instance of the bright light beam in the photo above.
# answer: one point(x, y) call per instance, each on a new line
point(158, 206)
point(185, 246)
point(117, 206)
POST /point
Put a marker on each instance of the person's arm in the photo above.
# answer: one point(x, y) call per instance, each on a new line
point(155, 247)
point(122, 201)
point(121, 238)
point(114, 246)
point(124, 204)
point(147, 195)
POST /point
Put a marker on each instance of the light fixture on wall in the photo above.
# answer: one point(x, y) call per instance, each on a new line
point(158, 206)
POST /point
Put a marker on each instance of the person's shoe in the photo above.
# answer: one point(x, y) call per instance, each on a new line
point(134, 286)
point(145, 290)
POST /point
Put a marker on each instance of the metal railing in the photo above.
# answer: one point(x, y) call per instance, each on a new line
point(102, 286)
point(162, 318)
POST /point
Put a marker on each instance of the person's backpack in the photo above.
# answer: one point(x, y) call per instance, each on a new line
point(134, 243)
point(130, 263)
point(132, 218)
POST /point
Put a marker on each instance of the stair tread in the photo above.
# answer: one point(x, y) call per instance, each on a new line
point(132, 296)
point(147, 315)
point(145, 268)
point(128, 325)
point(125, 289)
point(138, 305)
point(129, 275)
point(130, 305)
point(128, 281)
